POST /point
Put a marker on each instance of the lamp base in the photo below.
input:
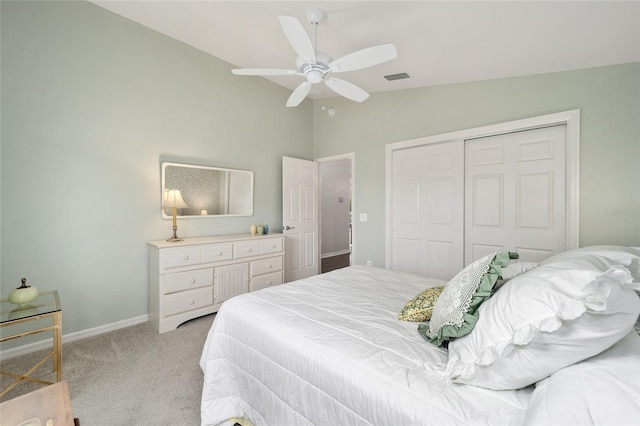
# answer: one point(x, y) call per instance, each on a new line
point(174, 238)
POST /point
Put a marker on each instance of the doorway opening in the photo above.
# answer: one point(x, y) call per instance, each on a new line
point(336, 176)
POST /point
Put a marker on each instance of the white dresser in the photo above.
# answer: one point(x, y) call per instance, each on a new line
point(191, 278)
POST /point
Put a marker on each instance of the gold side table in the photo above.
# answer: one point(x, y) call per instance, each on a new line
point(45, 306)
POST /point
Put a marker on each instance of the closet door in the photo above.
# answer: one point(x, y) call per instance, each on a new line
point(515, 197)
point(427, 209)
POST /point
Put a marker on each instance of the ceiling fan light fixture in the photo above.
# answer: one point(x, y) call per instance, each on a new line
point(314, 76)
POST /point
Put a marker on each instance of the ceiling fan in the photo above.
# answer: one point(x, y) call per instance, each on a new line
point(317, 67)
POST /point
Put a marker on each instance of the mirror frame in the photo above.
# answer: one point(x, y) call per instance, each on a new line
point(196, 166)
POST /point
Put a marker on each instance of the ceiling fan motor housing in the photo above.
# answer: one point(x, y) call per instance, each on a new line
point(314, 71)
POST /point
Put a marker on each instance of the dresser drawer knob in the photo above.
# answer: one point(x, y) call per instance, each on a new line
point(185, 257)
point(269, 266)
point(268, 283)
point(191, 302)
point(249, 249)
point(273, 246)
point(192, 281)
point(219, 253)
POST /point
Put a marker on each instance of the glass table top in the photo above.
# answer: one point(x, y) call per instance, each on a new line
point(46, 303)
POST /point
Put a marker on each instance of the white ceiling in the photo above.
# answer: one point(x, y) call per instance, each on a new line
point(438, 42)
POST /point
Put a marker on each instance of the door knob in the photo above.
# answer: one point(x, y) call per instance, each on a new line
point(286, 228)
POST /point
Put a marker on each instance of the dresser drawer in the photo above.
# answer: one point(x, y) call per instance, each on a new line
point(264, 266)
point(217, 252)
point(245, 249)
point(187, 300)
point(266, 280)
point(180, 256)
point(188, 280)
point(271, 245)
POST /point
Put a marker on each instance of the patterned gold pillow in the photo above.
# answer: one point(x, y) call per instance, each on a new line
point(419, 308)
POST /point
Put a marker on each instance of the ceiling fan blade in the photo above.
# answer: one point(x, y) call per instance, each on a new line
point(364, 58)
point(346, 89)
point(262, 71)
point(297, 37)
point(299, 94)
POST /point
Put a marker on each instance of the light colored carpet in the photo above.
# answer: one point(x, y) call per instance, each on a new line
point(133, 376)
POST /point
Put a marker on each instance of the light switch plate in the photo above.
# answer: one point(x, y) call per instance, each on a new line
point(363, 217)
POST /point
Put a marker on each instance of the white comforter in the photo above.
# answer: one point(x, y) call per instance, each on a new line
point(328, 350)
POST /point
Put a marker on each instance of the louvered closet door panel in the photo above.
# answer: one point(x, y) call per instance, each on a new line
point(427, 209)
point(515, 194)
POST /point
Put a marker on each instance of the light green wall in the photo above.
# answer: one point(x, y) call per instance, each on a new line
point(91, 105)
point(609, 100)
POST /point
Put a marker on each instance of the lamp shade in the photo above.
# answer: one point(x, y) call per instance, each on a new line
point(173, 198)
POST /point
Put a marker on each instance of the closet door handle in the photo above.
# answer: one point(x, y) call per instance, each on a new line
point(286, 228)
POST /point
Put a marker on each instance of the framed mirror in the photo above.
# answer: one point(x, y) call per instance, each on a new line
point(207, 191)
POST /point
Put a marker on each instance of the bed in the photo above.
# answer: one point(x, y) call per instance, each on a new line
point(551, 346)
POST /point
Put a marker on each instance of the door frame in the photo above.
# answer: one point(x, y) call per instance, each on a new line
point(571, 119)
point(346, 156)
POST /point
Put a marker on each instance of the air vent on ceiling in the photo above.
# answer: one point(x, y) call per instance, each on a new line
point(400, 76)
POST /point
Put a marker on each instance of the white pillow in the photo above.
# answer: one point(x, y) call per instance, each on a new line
point(517, 268)
point(603, 390)
point(612, 255)
point(555, 315)
point(617, 255)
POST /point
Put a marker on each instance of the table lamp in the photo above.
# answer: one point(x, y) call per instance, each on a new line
point(173, 200)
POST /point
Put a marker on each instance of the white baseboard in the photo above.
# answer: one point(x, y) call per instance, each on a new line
point(335, 253)
point(66, 338)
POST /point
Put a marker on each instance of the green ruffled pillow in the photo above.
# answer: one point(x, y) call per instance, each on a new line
point(455, 312)
point(420, 307)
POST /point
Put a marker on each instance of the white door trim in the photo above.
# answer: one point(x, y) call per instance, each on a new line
point(346, 156)
point(569, 118)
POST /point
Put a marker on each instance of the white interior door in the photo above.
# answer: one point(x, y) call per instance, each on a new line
point(515, 194)
point(300, 218)
point(428, 184)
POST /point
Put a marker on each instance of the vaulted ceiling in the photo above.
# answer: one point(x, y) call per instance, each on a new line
point(438, 42)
